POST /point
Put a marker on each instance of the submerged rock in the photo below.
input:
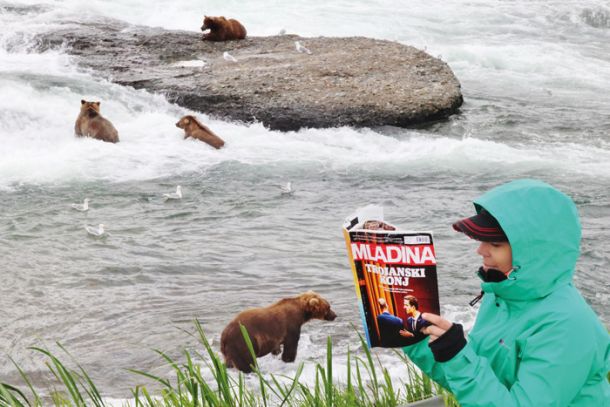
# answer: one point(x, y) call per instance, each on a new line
point(353, 81)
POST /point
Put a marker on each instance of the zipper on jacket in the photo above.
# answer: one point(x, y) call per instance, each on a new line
point(476, 299)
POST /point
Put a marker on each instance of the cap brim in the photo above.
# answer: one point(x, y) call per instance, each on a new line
point(482, 227)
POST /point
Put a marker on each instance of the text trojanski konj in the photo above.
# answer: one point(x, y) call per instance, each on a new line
point(413, 255)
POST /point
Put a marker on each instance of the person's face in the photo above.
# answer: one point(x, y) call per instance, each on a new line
point(496, 255)
point(409, 309)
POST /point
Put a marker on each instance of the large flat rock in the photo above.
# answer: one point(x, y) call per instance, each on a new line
point(353, 81)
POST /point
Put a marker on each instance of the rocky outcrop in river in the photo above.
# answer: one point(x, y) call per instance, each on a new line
point(352, 81)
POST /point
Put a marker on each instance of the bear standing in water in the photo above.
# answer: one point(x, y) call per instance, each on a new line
point(271, 327)
point(222, 29)
point(90, 123)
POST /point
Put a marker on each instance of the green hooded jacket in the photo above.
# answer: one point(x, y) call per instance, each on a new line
point(535, 342)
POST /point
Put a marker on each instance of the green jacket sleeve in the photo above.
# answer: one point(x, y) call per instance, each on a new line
point(553, 366)
point(421, 355)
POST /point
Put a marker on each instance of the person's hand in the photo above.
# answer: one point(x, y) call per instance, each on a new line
point(446, 338)
point(438, 326)
point(406, 334)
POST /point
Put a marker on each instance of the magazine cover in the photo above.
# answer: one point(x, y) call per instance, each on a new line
point(395, 276)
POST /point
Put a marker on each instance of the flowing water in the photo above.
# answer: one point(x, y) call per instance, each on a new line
point(535, 81)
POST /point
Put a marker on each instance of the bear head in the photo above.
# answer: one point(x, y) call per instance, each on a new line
point(211, 23)
point(316, 307)
point(185, 121)
point(188, 121)
point(89, 108)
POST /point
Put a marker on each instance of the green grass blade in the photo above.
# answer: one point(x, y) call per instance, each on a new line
point(8, 398)
point(28, 382)
point(328, 383)
point(218, 368)
point(164, 382)
point(246, 336)
point(364, 397)
point(66, 376)
point(294, 384)
point(350, 389)
point(92, 391)
point(370, 368)
point(390, 396)
point(241, 386)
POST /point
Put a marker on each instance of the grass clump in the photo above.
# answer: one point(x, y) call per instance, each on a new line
point(368, 384)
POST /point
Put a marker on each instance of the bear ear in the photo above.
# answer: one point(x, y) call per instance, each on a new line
point(97, 104)
point(186, 120)
point(313, 302)
point(83, 101)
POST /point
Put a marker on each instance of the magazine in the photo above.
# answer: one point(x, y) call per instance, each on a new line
point(395, 277)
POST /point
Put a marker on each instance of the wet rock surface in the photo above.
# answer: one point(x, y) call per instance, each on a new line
point(353, 81)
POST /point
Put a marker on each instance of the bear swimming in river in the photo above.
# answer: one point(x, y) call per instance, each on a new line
point(195, 129)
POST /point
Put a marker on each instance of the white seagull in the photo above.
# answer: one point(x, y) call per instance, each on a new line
point(81, 207)
point(287, 189)
point(99, 231)
point(174, 195)
point(229, 57)
point(300, 48)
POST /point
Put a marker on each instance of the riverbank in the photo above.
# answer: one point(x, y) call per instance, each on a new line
point(355, 81)
point(201, 378)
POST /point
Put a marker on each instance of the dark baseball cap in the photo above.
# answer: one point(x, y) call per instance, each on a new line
point(482, 227)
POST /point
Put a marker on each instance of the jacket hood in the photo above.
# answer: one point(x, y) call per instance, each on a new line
point(544, 232)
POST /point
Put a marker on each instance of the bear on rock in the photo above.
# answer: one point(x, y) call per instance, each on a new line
point(270, 328)
point(222, 29)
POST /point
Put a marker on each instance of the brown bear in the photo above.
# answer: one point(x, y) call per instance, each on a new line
point(222, 29)
point(271, 327)
point(90, 123)
point(195, 129)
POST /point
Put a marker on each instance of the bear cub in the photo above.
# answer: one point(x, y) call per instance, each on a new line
point(90, 123)
point(222, 29)
point(272, 327)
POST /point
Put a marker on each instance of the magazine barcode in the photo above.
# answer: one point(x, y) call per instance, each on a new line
point(419, 239)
